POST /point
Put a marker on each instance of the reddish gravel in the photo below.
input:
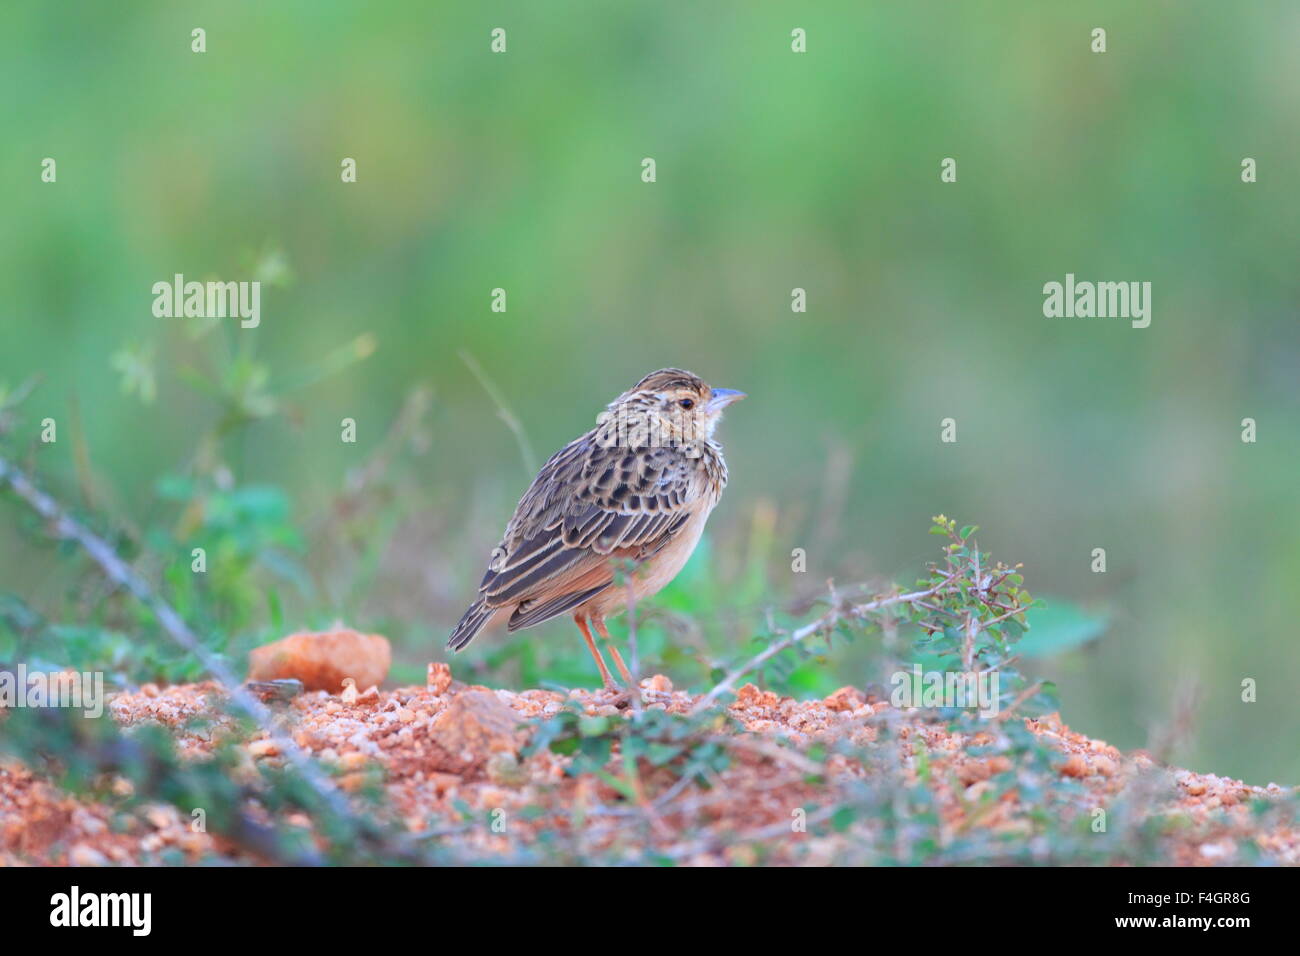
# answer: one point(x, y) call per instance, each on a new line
point(447, 745)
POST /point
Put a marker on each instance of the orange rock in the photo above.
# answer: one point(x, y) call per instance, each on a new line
point(352, 782)
point(751, 696)
point(1051, 722)
point(323, 660)
point(263, 748)
point(474, 726)
point(846, 698)
point(1076, 766)
point(443, 782)
point(352, 761)
point(439, 678)
point(975, 770)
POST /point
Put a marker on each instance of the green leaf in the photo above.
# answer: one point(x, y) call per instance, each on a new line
point(565, 746)
point(660, 754)
point(1058, 627)
point(618, 783)
point(596, 750)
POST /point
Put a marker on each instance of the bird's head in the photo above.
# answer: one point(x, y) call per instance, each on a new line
point(667, 407)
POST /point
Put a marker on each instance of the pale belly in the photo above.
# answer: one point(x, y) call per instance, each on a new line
point(654, 576)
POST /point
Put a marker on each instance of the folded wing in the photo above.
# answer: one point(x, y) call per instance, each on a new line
point(589, 508)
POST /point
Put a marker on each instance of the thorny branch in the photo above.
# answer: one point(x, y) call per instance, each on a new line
point(824, 623)
point(62, 525)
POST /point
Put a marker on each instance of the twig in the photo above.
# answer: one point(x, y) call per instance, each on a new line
point(503, 412)
point(827, 620)
point(772, 751)
point(972, 624)
point(1023, 696)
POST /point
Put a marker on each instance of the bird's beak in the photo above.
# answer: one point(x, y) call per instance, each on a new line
point(722, 397)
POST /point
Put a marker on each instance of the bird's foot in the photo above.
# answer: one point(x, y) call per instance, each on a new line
point(615, 696)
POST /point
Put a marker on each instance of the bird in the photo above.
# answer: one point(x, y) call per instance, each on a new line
point(633, 493)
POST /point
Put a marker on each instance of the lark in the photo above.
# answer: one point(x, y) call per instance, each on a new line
point(633, 494)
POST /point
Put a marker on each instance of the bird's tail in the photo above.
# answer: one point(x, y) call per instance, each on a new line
point(470, 624)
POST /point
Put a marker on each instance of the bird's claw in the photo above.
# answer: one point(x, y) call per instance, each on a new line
point(615, 696)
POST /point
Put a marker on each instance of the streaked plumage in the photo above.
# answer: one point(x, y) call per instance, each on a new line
point(638, 487)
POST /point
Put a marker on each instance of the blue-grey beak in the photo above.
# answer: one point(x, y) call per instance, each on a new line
point(722, 397)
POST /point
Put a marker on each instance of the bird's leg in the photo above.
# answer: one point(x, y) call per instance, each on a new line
point(595, 653)
point(618, 658)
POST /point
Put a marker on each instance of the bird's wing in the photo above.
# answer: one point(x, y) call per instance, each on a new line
point(587, 505)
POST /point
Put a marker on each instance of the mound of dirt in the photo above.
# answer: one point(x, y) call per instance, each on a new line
point(445, 748)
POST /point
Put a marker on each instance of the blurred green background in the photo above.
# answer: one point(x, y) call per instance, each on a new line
point(775, 171)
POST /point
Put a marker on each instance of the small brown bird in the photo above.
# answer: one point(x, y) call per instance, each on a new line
point(636, 489)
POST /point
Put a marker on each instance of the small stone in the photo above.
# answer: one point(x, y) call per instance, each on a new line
point(321, 660)
point(1217, 851)
point(275, 691)
point(84, 855)
point(353, 760)
point(160, 817)
point(439, 678)
point(503, 768)
point(751, 696)
point(1075, 766)
point(658, 683)
point(352, 782)
point(846, 698)
point(262, 748)
point(473, 727)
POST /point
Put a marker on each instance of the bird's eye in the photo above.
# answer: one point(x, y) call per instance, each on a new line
point(687, 403)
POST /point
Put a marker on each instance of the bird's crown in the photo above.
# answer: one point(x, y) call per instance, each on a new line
point(670, 378)
point(670, 407)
